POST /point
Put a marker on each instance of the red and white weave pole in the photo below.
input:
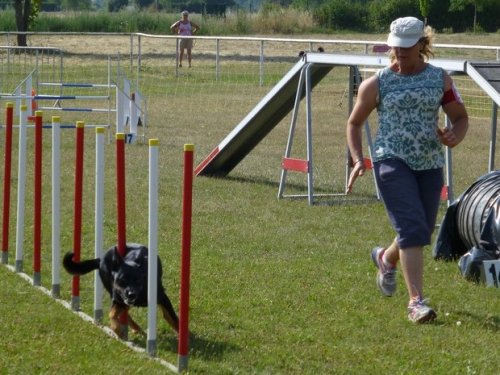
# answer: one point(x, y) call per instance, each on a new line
point(120, 193)
point(187, 208)
point(152, 246)
point(77, 211)
point(56, 206)
point(99, 219)
point(121, 213)
point(9, 119)
point(21, 187)
point(37, 191)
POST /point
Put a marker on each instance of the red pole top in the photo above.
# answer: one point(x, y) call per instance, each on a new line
point(7, 176)
point(37, 192)
point(78, 202)
point(187, 197)
point(120, 193)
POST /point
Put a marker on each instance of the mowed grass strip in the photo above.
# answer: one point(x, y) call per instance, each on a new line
point(278, 287)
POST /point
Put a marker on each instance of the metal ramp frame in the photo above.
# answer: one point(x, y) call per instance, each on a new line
point(306, 165)
point(280, 101)
point(487, 76)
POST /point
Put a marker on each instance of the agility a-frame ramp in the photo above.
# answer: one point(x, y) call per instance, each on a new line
point(299, 82)
point(260, 121)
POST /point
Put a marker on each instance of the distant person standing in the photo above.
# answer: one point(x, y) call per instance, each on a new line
point(186, 28)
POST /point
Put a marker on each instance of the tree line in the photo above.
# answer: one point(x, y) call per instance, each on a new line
point(376, 15)
point(367, 16)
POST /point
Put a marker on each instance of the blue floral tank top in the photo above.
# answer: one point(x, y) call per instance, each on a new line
point(408, 112)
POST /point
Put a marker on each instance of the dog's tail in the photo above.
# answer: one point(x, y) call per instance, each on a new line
point(79, 268)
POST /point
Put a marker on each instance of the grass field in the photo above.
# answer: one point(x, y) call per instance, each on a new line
point(278, 287)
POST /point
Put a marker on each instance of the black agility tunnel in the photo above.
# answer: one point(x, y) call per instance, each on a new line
point(471, 227)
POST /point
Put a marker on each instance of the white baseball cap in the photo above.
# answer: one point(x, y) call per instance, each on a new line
point(405, 32)
point(185, 13)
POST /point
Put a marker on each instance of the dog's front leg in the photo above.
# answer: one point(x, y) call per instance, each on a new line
point(170, 317)
point(135, 327)
point(116, 325)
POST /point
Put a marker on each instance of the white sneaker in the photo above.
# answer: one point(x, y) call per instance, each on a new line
point(419, 312)
point(386, 276)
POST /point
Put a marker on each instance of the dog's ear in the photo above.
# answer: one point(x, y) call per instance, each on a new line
point(140, 256)
point(116, 260)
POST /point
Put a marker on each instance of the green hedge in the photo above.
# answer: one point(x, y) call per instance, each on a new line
point(334, 15)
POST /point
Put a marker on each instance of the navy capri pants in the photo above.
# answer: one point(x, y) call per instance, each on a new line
point(411, 199)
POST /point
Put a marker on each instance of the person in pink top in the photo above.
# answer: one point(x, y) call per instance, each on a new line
point(185, 27)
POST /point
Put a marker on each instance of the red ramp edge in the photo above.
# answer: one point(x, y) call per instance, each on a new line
point(207, 160)
point(259, 122)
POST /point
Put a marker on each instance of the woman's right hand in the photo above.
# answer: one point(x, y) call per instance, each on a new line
point(357, 170)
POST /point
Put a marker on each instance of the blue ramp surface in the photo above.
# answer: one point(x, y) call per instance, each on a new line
point(259, 122)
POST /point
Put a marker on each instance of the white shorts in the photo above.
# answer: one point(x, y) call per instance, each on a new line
point(186, 44)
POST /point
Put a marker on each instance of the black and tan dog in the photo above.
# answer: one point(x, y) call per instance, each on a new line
point(126, 280)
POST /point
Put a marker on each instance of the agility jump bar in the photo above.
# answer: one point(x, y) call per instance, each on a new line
point(51, 125)
point(56, 97)
point(70, 97)
point(83, 85)
point(74, 109)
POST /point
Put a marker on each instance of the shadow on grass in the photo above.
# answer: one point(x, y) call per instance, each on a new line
point(489, 322)
point(199, 347)
point(254, 180)
point(322, 196)
point(486, 321)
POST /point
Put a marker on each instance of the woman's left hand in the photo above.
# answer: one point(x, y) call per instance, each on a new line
point(447, 137)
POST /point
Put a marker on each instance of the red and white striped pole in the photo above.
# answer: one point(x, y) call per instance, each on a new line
point(9, 119)
point(56, 206)
point(120, 193)
point(77, 211)
point(37, 224)
point(21, 187)
point(152, 246)
point(99, 219)
point(187, 208)
point(121, 213)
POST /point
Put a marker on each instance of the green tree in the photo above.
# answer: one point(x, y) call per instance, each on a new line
point(424, 9)
point(76, 4)
point(461, 5)
point(342, 15)
point(26, 13)
point(116, 5)
point(145, 3)
point(383, 12)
